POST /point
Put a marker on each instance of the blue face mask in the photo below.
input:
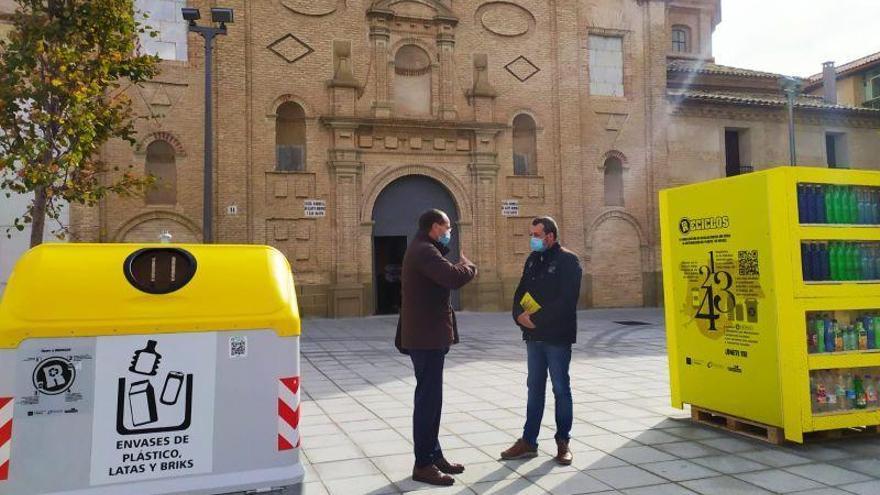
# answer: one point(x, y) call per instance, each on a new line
point(537, 245)
point(445, 238)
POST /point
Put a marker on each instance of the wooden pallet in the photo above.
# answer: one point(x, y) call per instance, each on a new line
point(740, 426)
point(773, 434)
point(836, 434)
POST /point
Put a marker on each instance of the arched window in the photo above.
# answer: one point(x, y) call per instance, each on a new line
point(412, 81)
point(613, 182)
point(681, 39)
point(161, 165)
point(525, 145)
point(290, 138)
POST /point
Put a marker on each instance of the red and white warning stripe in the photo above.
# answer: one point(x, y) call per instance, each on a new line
point(5, 435)
point(288, 413)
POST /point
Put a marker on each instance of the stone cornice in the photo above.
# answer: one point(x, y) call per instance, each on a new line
point(354, 122)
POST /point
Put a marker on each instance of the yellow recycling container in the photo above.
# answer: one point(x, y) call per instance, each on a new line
point(772, 297)
point(160, 368)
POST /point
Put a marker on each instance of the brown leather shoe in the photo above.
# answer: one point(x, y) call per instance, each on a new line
point(520, 450)
point(563, 453)
point(432, 476)
point(448, 467)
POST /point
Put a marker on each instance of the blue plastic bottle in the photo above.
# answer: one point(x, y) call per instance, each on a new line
point(867, 268)
point(862, 207)
point(815, 266)
point(806, 263)
point(829, 335)
point(802, 203)
point(821, 217)
point(825, 259)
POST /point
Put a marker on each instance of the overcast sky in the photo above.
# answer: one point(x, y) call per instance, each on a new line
point(794, 37)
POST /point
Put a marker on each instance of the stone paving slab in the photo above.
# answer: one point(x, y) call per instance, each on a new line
point(357, 412)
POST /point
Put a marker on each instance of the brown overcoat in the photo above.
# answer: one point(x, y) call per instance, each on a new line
point(427, 320)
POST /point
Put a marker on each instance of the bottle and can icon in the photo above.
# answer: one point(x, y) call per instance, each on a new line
point(147, 406)
point(142, 403)
point(146, 361)
point(171, 389)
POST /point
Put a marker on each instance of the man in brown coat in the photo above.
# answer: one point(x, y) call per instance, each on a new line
point(427, 329)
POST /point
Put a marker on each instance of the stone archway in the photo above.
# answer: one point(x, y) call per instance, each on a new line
point(616, 260)
point(395, 217)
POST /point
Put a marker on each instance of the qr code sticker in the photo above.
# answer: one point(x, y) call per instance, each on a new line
point(748, 263)
point(238, 347)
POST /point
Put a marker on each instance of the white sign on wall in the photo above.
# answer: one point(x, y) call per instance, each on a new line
point(315, 208)
point(510, 208)
point(154, 407)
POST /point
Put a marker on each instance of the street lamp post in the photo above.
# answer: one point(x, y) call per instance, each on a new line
point(791, 86)
point(220, 16)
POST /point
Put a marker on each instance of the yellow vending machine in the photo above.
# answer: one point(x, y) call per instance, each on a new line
point(772, 289)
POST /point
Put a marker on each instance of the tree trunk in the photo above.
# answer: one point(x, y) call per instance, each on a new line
point(38, 216)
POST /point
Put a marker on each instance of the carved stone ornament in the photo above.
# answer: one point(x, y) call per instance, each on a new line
point(505, 19)
point(314, 8)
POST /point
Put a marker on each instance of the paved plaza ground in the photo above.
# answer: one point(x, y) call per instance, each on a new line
point(626, 439)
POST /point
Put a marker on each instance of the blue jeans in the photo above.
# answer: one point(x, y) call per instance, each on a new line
point(556, 358)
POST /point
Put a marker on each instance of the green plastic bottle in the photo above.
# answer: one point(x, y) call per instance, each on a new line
point(853, 204)
point(830, 207)
point(820, 333)
point(842, 211)
point(837, 201)
point(875, 327)
point(853, 260)
point(834, 257)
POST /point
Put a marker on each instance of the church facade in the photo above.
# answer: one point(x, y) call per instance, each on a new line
point(337, 122)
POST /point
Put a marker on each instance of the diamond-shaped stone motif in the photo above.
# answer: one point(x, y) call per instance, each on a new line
point(290, 48)
point(522, 68)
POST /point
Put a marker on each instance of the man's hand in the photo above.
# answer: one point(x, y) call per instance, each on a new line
point(525, 320)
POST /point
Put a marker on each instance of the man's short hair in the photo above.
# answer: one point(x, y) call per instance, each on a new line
point(549, 224)
point(430, 217)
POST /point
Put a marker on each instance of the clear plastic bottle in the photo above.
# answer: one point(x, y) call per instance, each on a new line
point(861, 399)
point(838, 337)
point(862, 336)
point(871, 392)
point(850, 390)
point(840, 391)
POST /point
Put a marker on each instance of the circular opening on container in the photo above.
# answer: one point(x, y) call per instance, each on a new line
point(159, 270)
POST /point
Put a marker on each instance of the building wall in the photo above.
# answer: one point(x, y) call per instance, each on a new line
point(285, 51)
point(696, 140)
point(335, 59)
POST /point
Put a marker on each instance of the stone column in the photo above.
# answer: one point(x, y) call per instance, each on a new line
point(347, 293)
point(380, 38)
point(446, 53)
point(487, 291)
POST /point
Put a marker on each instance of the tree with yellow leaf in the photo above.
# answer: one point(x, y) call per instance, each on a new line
point(64, 73)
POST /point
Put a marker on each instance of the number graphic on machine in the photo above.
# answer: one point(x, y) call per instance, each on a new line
point(715, 290)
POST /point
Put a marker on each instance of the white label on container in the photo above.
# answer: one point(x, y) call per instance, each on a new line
point(154, 407)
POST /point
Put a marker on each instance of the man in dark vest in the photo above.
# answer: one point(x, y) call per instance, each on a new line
point(426, 330)
point(545, 309)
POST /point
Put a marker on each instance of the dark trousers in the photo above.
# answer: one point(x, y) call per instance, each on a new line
point(428, 404)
